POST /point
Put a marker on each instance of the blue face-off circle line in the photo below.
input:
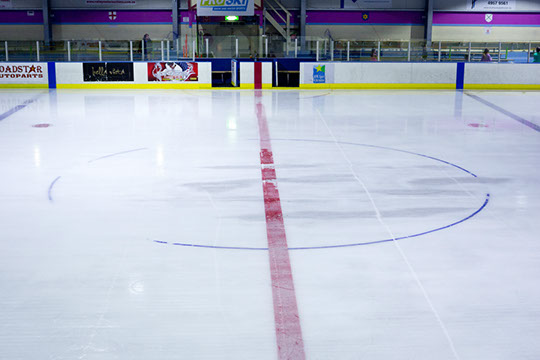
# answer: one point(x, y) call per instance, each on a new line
point(51, 186)
point(486, 201)
point(476, 212)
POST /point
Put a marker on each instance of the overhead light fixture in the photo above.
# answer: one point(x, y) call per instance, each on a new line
point(232, 18)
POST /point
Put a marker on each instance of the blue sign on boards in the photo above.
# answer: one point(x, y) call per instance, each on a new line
point(319, 74)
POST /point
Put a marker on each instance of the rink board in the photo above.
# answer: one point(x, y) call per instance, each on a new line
point(318, 75)
point(71, 76)
point(376, 75)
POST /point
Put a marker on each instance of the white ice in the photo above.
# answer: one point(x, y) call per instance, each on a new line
point(93, 210)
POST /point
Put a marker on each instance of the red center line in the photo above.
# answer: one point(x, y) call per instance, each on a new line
point(288, 331)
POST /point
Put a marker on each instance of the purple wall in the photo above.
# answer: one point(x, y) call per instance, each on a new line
point(479, 19)
point(357, 18)
point(21, 17)
point(313, 18)
point(111, 17)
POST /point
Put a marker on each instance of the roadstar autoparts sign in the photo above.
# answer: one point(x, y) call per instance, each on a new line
point(23, 73)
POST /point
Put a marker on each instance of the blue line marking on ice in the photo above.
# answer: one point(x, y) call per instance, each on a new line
point(218, 247)
point(91, 161)
point(384, 148)
point(116, 154)
point(505, 112)
point(486, 202)
point(51, 187)
point(16, 108)
point(344, 245)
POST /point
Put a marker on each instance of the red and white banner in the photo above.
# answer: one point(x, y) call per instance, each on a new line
point(173, 71)
point(23, 73)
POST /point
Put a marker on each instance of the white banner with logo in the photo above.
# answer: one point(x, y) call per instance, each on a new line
point(225, 7)
point(367, 4)
point(23, 73)
point(5, 4)
point(491, 5)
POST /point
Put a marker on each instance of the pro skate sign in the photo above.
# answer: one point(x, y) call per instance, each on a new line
point(225, 7)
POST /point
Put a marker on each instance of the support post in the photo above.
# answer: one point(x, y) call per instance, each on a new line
point(131, 50)
point(237, 48)
point(261, 33)
point(100, 55)
point(193, 47)
point(47, 30)
point(528, 53)
point(168, 51)
point(348, 51)
point(317, 54)
point(439, 55)
point(303, 14)
point(469, 52)
point(409, 51)
point(331, 50)
point(7, 51)
point(378, 51)
point(177, 48)
point(69, 50)
point(207, 48)
point(296, 47)
point(142, 50)
point(277, 77)
point(162, 52)
point(499, 55)
point(175, 24)
point(266, 46)
point(37, 50)
point(429, 22)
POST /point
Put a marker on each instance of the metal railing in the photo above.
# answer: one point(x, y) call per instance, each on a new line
point(316, 48)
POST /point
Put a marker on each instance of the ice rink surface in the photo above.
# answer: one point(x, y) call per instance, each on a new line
point(132, 224)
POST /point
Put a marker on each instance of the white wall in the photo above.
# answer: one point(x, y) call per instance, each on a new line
point(109, 32)
point(26, 4)
point(21, 32)
point(479, 33)
point(375, 32)
point(247, 74)
point(382, 73)
point(496, 74)
point(423, 75)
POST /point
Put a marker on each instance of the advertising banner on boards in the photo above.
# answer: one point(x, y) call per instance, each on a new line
point(23, 73)
point(491, 5)
point(173, 71)
point(366, 4)
point(225, 7)
point(107, 72)
point(318, 73)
